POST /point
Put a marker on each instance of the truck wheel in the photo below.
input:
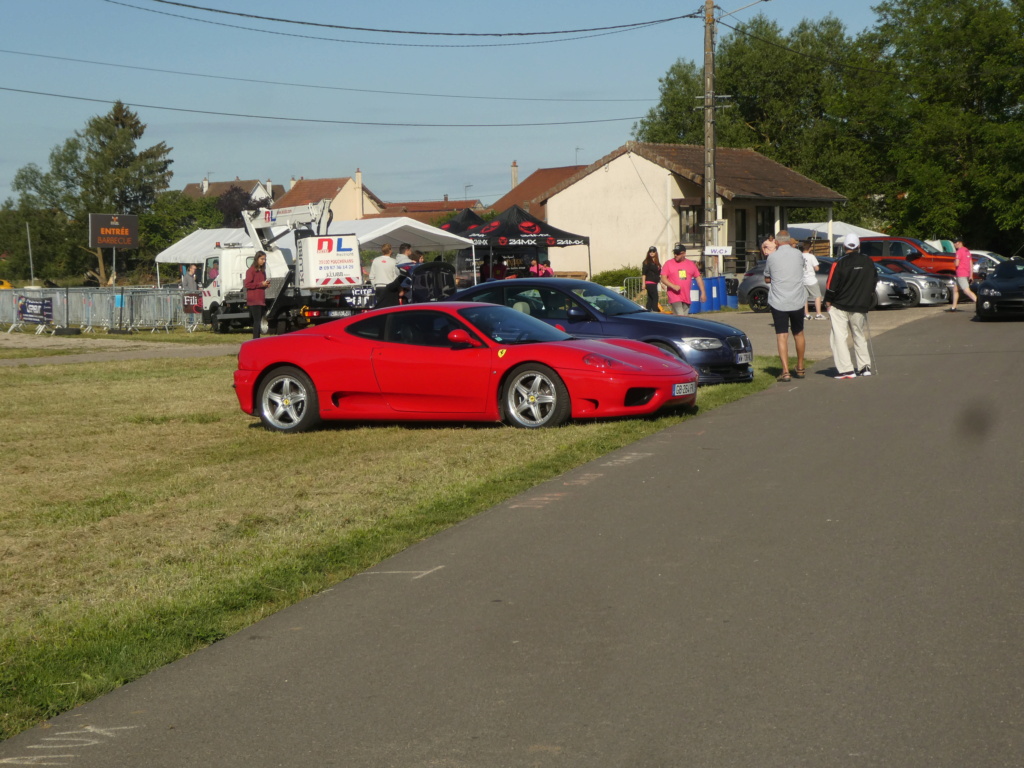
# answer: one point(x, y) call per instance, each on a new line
point(534, 396)
point(281, 326)
point(287, 401)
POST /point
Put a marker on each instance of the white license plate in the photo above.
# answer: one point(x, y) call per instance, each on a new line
point(339, 312)
point(745, 357)
point(684, 389)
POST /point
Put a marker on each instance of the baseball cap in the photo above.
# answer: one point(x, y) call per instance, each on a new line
point(678, 248)
point(852, 242)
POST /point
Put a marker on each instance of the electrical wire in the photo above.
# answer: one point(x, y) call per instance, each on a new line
point(321, 121)
point(308, 85)
point(371, 42)
point(632, 25)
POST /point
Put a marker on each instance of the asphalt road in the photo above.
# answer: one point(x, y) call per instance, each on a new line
point(828, 573)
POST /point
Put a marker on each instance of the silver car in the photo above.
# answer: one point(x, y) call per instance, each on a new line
point(925, 287)
point(891, 291)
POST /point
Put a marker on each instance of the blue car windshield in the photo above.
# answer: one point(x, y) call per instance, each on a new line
point(606, 301)
point(507, 326)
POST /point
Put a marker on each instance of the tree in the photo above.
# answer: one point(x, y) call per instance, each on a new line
point(234, 201)
point(917, 121)
point(98, 170)
point(172, 217)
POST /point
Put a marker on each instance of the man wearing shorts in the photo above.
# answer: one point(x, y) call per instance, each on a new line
point(677, 275)
point(964, 266)
point(787, 298)
point(811, 265)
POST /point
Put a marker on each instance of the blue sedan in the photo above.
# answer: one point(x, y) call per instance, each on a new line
point(719, 352)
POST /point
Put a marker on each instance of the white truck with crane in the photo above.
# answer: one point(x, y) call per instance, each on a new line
point(314, 276)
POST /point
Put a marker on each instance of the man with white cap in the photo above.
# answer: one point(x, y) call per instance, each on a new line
point(849, 294)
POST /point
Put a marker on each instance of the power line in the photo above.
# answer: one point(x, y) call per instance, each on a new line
point(309, 85)
point(632, 25)
point(322, 121)
point(371, 42)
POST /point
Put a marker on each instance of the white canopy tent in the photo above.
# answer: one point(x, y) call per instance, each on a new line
point(375, 232)
point(198, 246)
point(819, 230)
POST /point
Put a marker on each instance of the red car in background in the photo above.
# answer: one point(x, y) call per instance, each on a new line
point(455, 361)
point(910, 248)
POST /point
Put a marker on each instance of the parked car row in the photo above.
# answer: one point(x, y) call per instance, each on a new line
point(892, 290)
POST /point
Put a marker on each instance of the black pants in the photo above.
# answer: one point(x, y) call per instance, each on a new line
point(652, 296)
point(256, 310)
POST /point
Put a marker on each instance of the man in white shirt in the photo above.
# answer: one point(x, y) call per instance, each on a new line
point(383, 270)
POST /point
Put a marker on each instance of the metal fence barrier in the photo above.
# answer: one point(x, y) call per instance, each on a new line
point(94, 309)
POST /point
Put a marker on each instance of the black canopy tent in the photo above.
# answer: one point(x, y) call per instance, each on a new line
point(516, 231)
point(463, 221)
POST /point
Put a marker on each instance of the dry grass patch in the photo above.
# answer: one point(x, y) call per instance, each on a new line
point(142, 515)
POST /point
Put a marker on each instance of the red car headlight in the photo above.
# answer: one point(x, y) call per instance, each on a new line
point(603, 361)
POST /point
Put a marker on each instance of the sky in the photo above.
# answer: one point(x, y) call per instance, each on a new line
point(175, 67)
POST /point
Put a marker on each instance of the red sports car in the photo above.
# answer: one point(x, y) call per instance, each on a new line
point(455, 361)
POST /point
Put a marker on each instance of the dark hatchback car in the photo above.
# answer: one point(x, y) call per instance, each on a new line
point(1001, 294)
point(719, 352)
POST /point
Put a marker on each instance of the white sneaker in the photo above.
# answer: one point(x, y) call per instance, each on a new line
point(819, 317)
point(865, 371)
point(850, 375)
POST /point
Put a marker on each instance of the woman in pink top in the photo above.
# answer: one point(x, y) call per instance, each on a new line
point(964, 266)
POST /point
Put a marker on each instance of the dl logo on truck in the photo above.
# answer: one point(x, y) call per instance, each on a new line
point(331, 245)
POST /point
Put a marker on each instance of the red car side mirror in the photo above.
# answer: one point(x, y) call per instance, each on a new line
point(460, 338)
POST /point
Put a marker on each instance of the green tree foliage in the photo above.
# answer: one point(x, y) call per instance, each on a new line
point(234, 201)
point(918, 121)
point(172, 217)
point(98, 170)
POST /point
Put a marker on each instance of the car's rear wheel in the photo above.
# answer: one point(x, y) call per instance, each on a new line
point(287, 401)
point(915, 295)
point(758, 300)
point(534, 396)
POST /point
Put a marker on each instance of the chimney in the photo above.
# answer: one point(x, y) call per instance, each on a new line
point(446, 197)
point(515, 175)
point(291, 184)
point(205, 185)
point(359, 192)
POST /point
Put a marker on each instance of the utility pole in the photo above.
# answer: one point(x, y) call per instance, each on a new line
point(710, 203)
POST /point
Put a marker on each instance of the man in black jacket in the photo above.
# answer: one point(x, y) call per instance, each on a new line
point(849, 294)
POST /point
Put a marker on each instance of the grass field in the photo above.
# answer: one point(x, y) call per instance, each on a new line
point(143, 516)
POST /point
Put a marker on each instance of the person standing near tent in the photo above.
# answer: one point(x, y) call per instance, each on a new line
point(651, 270)
point(383, 270)
point(677, 275)
point(256, 291)
point(404, 255)
point(188, 280)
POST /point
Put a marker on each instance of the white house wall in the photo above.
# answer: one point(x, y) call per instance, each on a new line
point(624, 207)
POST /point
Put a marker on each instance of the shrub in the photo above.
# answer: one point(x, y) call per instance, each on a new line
point(616, 277)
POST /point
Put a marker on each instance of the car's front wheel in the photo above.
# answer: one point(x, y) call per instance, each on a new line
point(287, 401)
point(915, 295)
point(758, 299)
point(534, 396)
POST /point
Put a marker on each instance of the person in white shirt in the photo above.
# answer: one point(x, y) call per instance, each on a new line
point(811, 265)
point(383, 270)
point(404, 254)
